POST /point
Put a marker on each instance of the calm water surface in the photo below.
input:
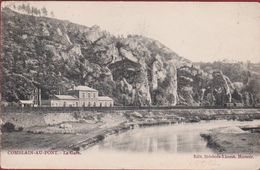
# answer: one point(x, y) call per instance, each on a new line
point(178, 138)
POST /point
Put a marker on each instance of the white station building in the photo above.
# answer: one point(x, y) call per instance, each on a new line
point(79, 96)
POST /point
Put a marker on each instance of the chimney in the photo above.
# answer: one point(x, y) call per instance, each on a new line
point(39, 97)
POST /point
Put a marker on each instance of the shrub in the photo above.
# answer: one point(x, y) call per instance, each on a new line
point(8, 127)
point(20, 129)
point(100, 137)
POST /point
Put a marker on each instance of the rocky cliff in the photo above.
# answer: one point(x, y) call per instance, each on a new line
point(236, 82)
point(54, 54)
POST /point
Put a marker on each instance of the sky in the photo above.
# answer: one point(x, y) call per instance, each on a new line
point(198, 31)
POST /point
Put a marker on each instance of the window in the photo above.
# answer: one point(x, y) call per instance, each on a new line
point(88, 95)
point(83, 95)
point(94, 95)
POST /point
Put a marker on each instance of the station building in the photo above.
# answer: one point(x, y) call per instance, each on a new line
point(79, 96)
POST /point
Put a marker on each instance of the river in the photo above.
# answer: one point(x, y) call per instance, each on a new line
point(157, 147)
point(177, 138)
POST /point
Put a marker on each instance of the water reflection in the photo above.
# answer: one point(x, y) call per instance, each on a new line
point(156, 139)
point(179, 138)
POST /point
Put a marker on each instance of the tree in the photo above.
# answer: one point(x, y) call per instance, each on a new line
point(44, 11)
point(38, 12)
point(19, 8)
point(28, 9)
point(34, 11)
point(52, 14)
point(23, 7)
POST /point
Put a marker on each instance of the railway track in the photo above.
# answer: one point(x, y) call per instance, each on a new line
point(116, 108)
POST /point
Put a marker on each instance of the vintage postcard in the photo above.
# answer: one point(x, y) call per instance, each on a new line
point(130, 85)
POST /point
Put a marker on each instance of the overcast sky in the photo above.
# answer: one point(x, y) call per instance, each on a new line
point(196, 31)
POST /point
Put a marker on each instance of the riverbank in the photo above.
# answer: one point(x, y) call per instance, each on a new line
point(234, 139)
point(81, 130)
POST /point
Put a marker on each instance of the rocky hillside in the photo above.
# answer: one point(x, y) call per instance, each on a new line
point(244, 77)
point(54, 55)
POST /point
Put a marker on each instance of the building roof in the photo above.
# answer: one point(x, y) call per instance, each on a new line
point(65, 97)
point(104, 98)
point(83, 88)
point(26, 101)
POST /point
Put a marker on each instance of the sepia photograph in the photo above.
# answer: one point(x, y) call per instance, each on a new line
point(130, 85)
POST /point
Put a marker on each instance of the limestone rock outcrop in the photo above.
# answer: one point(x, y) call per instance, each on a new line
point(133, 70)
